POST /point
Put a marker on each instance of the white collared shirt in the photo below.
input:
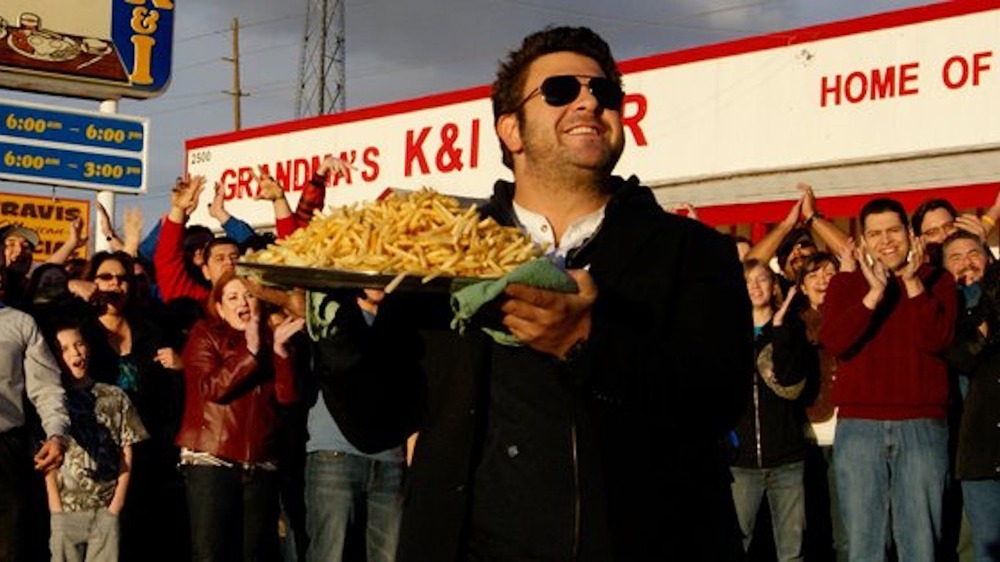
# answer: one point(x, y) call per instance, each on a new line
point(538, 227)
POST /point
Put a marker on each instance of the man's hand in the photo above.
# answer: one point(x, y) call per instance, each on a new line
point(104, 221)
point(50, 455)
point(292, 301)
point(77, 237)
point(185, 195)
point(132, 230)
point(972, 223)
point(550, 321)
point(911, 271)
point(912, 267)
point(217, 208)
point(848, 261)
point(876, 275)
point(792, 218)
point(267, 188)
point(334, 166)
point(808, 200)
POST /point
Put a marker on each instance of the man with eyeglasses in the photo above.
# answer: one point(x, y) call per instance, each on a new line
point(600, 436)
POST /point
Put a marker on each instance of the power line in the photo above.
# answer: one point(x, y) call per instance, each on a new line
point(225, 30)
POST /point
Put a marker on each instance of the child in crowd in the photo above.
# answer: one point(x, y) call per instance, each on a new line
point(88, 492)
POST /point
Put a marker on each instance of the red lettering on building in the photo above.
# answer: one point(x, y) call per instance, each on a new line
point(870, 85)
point(631, 119)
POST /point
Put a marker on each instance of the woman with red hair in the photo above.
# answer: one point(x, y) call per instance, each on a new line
point(237, 372)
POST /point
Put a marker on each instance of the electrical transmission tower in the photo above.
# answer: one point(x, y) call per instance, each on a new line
point(321, 65)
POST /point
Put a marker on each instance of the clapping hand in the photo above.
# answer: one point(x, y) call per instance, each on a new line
point(779, 317)
point(917, 251)
point(848, 261)
point(875, 273)
point(284, 331)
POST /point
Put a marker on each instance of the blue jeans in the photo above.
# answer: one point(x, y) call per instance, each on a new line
point(338, 486)
point(786, 497)
point(897, 467)
point(982, 505)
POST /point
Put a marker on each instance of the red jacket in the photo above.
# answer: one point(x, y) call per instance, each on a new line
point(889, 364)
point(173, 280)
point(311, 200)
point(231, 399)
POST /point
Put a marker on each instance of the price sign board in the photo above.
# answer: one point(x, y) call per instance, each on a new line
point(89, 150)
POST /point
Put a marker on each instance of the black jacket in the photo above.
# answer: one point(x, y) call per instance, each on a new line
point(771, 430)
point(978, 357)
point(614, 455)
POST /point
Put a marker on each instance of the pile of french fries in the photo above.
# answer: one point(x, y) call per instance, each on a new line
point(421, 233)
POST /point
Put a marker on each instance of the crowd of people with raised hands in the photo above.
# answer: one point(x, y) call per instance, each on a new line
point(155, 405)
point(901, 359)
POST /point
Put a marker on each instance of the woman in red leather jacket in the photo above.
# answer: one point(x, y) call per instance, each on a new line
point(234, 382)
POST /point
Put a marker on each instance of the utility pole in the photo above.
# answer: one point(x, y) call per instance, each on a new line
point(236, 92)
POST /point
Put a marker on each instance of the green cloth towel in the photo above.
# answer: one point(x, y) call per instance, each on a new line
point(540, 273)
point(320, 312)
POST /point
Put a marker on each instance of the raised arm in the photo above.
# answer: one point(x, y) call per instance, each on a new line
point(268, 189)
point(107, 231)
point(76, 239)
point(234, 227)
point(835, 239)
point(132, 230)
point(765, 249)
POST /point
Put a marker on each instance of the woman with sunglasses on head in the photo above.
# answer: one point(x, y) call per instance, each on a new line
point(771, 457)
point(128, 350)
point(237, 372)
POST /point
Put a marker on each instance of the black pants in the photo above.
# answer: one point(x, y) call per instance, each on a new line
point(234, 514)
point(15, 474)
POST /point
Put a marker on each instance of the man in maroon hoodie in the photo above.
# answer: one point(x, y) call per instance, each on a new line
point(886, 319)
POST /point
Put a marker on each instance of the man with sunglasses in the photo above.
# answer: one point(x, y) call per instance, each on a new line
point(600, 436)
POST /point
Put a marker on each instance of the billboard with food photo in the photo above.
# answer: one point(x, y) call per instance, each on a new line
point(101, 49)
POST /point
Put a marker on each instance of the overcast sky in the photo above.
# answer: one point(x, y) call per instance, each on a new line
point(400, 49)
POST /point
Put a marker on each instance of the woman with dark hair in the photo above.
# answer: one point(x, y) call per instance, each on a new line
point(237, 372)
point(128, 350)
point(826, 535)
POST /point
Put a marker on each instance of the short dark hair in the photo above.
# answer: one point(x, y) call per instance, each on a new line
point(218, 241)
point(964, 235)
point(795, 237)
point(883, 205)
point(917, 220)
point(506, 90)
point(816, 261)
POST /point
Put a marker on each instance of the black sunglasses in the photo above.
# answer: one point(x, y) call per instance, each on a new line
point(558, 91)
point(109, 276)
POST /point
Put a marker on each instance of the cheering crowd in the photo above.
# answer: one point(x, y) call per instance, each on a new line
point(154, 405)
